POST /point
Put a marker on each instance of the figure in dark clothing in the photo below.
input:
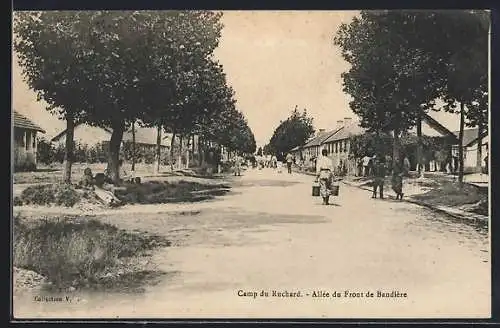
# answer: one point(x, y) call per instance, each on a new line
point(379, 172)
point(397, 182)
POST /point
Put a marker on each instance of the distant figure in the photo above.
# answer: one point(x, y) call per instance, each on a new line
point(455, 163)
point(237, 165)
point(406, 166)
point(87, 180)
point(379, 172)
point(366, 164)
point(388, 163)
point(397, 182)
point(486, 164)
point(359, 166)
point(289, 162)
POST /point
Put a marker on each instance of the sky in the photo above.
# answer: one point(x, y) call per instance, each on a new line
point(274, 61)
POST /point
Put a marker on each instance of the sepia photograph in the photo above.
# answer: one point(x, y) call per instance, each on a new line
point(214, 164)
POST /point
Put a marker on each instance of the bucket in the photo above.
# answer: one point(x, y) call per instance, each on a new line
point(335, 190)
point(315, 190)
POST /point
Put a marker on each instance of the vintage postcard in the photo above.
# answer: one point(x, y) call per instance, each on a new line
point(251, 164)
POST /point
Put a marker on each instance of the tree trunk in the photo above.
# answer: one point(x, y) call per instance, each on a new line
point(419, 145)
point(460, 145)
point(68, 153)
point(158, 150)
point(172, 144)
point(133, 146)
point(201, 151)
point(114, 152)
point(179, 166)
point(479, 159)
point(193, 147)
point(187, 151)
point(396, 150)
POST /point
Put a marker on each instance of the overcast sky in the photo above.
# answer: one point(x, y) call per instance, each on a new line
point(273, 60)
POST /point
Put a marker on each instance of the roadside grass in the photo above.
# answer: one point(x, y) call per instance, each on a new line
point(59, 194)
point(81, 252)
point(156, 192)
point(54, 173)
point(452, 195)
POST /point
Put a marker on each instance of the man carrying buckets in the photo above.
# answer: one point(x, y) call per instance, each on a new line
point(324, 175)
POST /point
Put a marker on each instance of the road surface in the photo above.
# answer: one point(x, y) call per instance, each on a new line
point(270, 235)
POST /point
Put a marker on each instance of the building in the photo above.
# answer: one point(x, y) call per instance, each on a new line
point(91, 136)
point(338, 144)
point(145, 141)
point(311, 149)
point(470, 146)
point(25, 142)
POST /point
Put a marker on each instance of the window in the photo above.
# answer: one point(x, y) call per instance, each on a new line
point(340, 146)
point(34, 140)
point(336, 147)
point(345, 146)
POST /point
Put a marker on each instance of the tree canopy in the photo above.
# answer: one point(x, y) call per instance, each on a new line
point(112, 68)
point(292, 132)
point(402, 61)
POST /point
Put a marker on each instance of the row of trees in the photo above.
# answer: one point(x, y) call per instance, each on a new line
point(403, 61)
point(115, 69)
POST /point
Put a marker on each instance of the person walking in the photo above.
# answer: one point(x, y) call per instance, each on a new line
point(237, 165)
point(324, 174)
point(379, 172)
point(397, 182)
point(289, 162)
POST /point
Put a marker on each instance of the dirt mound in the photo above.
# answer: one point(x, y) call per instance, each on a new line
point(27, 279)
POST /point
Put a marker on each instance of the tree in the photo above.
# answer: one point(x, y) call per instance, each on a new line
point(110, 68)
point(466, 56)
point(292, 132)
point(392, 81)
point(478, 116)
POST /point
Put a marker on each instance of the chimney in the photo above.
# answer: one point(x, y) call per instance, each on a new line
point(321, 131)
point(347, 120)
point(339, 124)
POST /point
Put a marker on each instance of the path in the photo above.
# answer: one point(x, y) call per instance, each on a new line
point(271, 235)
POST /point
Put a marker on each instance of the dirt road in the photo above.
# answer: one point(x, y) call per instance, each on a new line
point(270, 235)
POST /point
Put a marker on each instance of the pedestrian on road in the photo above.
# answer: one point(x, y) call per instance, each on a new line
point(237, 165)
point(397, 182)
point(324, 173)
point(289, 161)
point(379, 172)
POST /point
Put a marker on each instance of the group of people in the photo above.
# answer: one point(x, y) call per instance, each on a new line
point(377, 167)
point(102, 183)
point(380, 170)
point(273, 162)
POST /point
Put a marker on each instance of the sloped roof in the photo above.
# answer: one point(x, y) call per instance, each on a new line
point(345, 132)
point(143, 135)
point(61, 134)
point(21, 121)
point(146, 136)
point(436, 125)
point(470, 136)
point(319, 138)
